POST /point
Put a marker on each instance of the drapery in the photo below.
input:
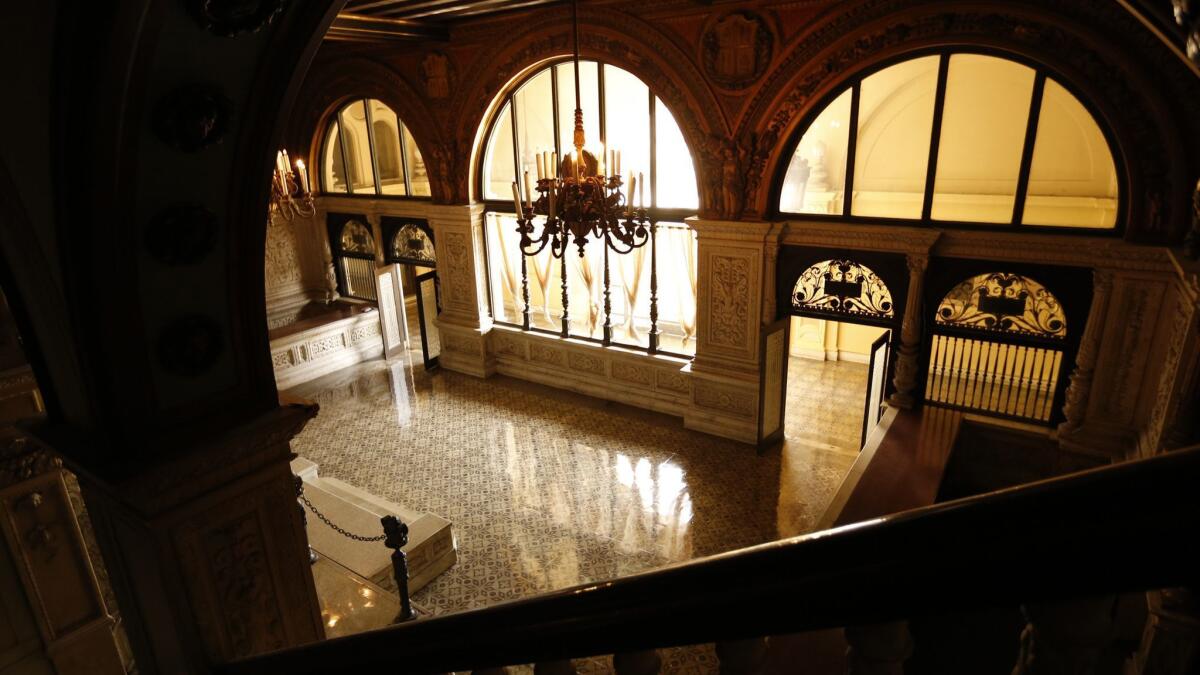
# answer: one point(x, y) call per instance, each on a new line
point(631, 265)
point(676, 261)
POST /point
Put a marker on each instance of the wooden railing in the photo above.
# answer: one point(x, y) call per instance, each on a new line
point(1125, 527)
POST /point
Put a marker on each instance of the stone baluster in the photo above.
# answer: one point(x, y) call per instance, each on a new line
point(742, 657)
point(908, 355)
point(646, 662)
point(1066, 637)
point(1080, 387)
point(879, 649)
point(1171, 641)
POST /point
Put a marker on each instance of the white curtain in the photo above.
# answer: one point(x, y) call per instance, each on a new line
point(631, 266)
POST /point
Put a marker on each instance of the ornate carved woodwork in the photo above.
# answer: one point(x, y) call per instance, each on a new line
point(736, 49)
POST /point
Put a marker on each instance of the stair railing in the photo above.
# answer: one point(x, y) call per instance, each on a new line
point(1125, 527)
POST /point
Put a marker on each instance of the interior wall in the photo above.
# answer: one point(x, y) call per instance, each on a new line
point(826, 340)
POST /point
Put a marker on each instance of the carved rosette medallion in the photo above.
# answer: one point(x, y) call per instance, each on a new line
point(182, 234)
point(229, 18)
point(190, 345)
point(729, 304)
point(736, 49)
point(193, 117)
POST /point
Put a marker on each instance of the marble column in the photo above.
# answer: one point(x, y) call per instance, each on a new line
point(206, 550)
point(465, 320)
point(732, 284)
point(1080, 387)
point(908, 356)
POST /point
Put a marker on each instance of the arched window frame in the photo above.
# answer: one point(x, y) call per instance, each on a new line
point(505, 102)
point(337, 121)
point(1042, 72)
point(669, 217)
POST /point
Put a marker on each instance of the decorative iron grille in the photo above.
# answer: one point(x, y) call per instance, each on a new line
point(843, 287)
point(410, 244)
point(1001, 302)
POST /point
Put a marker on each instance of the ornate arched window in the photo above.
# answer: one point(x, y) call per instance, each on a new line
point(843, 287)
point(955, 137)
point(1001, 302)
point(652, 288)
point(368, 151)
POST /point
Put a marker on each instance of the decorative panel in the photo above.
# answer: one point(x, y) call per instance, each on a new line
point(1003, 303)
point(843, 287)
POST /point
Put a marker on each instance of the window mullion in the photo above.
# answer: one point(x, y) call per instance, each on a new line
point(1035, 113)
point(371, 145)
point(935, 138)
point(851, 149)
point(404, 158)
point(345, 154)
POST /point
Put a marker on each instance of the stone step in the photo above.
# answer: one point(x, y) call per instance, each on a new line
point(431, 548)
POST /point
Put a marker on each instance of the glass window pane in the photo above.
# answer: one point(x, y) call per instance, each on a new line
point(535, 122)
point(627, 120)
point(630, 275)
point(504, 267)
point(676, 288)
point(983, 135)
point(589, 85)
point(353, 120)
point(418, 176)
point(895, 122)
point(1073, 179)
point(498, 167)
point(816, 176)
point(332, 164)
point(676, 179)
point(585, 285)
point(386, 126)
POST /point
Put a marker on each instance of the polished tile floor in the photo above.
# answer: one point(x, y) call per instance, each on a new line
point(548, 489)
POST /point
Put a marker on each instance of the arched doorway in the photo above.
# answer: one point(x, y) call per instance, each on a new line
point(843, 312)
point(998, 343)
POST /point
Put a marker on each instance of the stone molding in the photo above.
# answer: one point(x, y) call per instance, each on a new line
point(660, 383)
point(309, 354)
point(1027, 246)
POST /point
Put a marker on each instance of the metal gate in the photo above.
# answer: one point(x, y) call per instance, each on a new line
point(997, 347)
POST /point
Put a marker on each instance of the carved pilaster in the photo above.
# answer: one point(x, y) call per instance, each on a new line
point(465, 319)
point(1080, 387)
point(42, 536)
point(908, 355)
point(209, 548)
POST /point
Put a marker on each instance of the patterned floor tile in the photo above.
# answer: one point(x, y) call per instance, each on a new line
point(548, 489)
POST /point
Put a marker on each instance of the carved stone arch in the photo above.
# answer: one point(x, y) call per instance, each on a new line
point(328, 89)
point(616, 38)
point(1115, 67)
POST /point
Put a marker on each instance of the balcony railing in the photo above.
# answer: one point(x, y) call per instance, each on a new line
point(1124, 527)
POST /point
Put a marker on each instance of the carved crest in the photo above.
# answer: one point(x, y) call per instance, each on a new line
point(737, 49)
point(436, 69)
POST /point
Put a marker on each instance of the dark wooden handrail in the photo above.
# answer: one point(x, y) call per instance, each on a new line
point(1126, 527)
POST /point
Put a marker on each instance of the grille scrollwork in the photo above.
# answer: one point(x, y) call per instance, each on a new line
point(843, 287)
point(1002, 302)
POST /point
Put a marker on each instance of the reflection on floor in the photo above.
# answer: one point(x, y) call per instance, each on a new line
point(548, 489)
point(825, 403)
